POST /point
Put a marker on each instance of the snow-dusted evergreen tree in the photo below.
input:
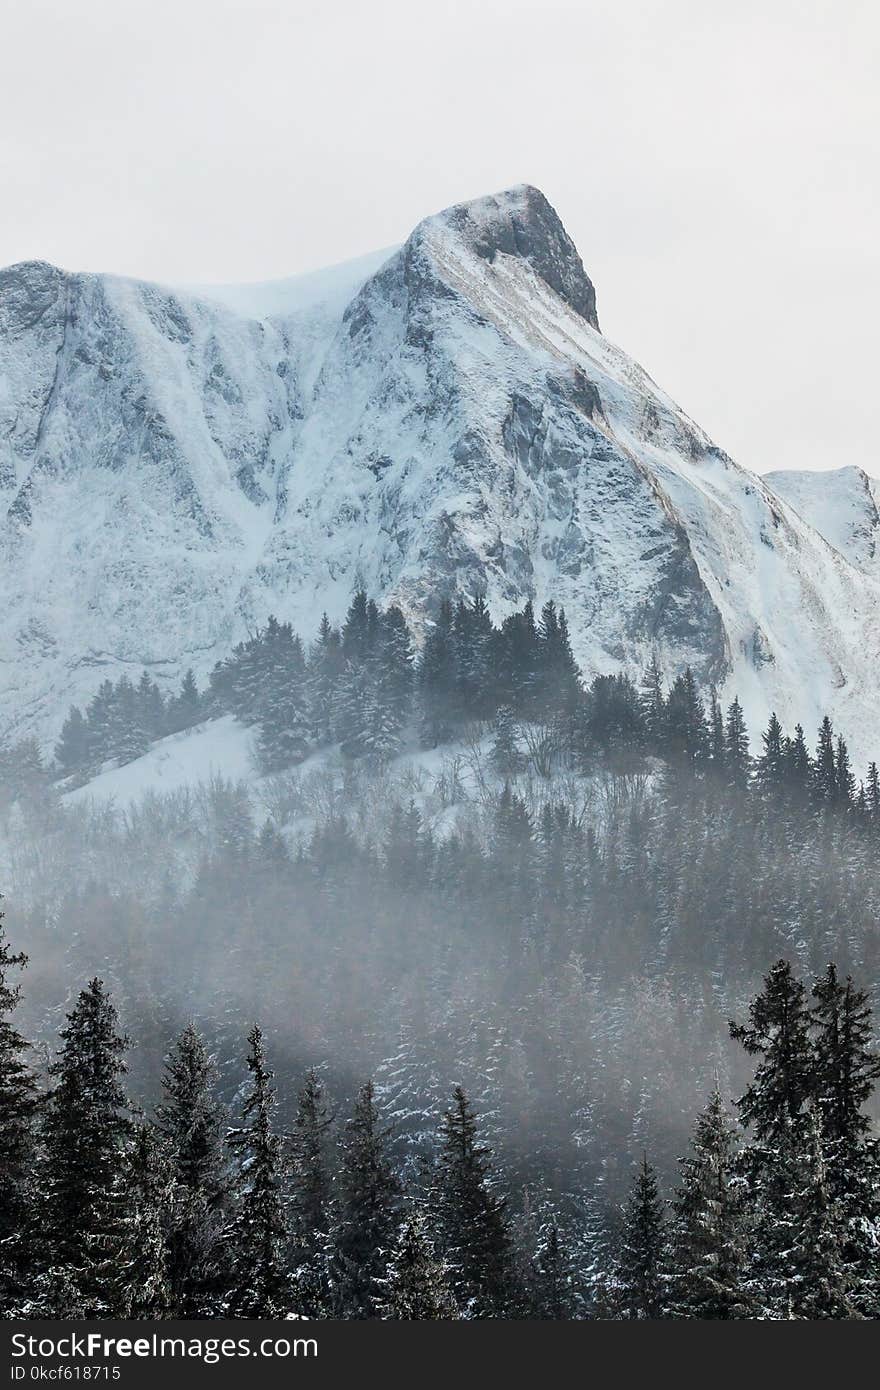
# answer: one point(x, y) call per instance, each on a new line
point(325, 666)
point(145, 1275)
point(310, 1202)
point(737, 761)
point(74, 748)
point(847, 1068)
point(189, 1120)
point(18, 1103)
point(417, 1285)
point(471, 1219)
point(824, 785)
point(257, 1235)
point(152, 714)
point(818, 1280)
point(127, 738)
point(770, 765)
point(553, 1291)
point(87, 1138)
point(652, 703)
point(642, 1261)
point(285, 713)
point(187, 707)
point(367, 1213)
point(778, 1032)
point(709, 1233)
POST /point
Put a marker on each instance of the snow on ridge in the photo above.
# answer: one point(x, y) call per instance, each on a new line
point(178, 464)
point(329, 289)
point(842, 504)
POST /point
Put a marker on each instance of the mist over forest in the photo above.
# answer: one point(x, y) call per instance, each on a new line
point(464, 870)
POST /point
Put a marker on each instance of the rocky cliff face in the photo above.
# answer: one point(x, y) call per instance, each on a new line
point(443, 419)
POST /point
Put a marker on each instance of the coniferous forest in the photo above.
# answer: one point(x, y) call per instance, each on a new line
point(490, 995)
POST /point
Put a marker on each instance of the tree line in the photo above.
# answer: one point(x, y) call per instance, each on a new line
point(106, 1211)
point(363, 687)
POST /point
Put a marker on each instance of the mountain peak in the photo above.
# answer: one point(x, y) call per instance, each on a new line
point(521, 222)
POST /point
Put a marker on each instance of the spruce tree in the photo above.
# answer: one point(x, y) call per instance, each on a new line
point(778, 1032)
point(709, 1234)
point(145, 1274)
point(471, 1219)
point(775, 1105)
point(18, 1105)
point(189, 1121)
point(417, 1284)
point(553, 1293)
point(819, 1281)
point(770, 765)
point(653, 705)
point(257, 1234)
point(825, 790)
point(368, 1201)
point(737, 762)
point(86, 1141)
point(310, 1207)
point(847, 1068)
point(642, 1260)
point(73, 749)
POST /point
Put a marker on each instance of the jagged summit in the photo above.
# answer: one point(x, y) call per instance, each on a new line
point(437, 420)
point(520, 222)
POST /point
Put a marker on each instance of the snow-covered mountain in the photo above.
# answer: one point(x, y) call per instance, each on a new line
point(446, 417)
point(843, 505)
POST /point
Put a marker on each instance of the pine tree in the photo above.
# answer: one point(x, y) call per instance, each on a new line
point(507, 759)
point(127, 739)
point(310, 1196)
point(798, 768)
point(770, 766)
point(73, 749)
point(653, 705)
point(188, 708)
point(417, 1284)
point(775, 1106)
point(87, 1137)
point(285, 714)
point(144, 1275)
point(18, 1104)
point(368, 1199)
point(709, 1253)
point(825, 789)
point(686, 735)
point(552, 1283)
point(151, 711)
point(845, 781)
point(257, 1234)
point(846, 1070)
point(557, 686)
point(189, 1122)
point(818, 1282)
point(471, 1218)
point(325, 667)
point(737, 762)
point(641, 1263)
point(778, 1032)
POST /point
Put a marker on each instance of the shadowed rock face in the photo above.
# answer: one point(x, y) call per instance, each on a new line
point(523, 224)
point(172, 471)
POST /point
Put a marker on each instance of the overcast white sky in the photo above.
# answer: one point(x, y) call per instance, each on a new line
point(717, 164)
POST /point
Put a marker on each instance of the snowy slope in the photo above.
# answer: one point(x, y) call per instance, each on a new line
point(174, 466)
point(841, 504)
